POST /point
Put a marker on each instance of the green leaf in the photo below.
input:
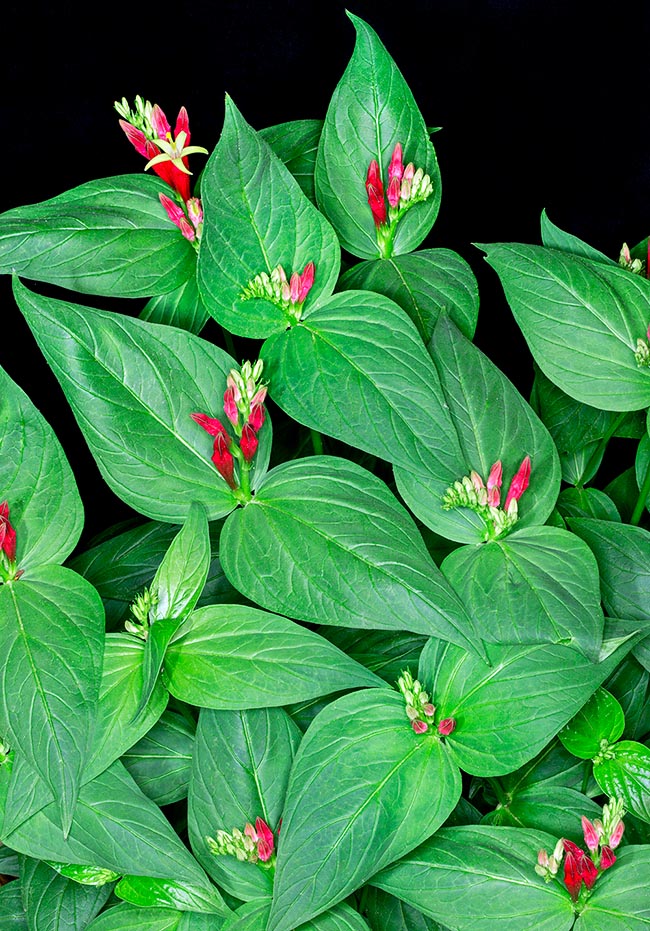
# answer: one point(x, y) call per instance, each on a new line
point(363, 791)
point(424, 284)
point(51, 641)
point(12, 913)
point(386, 913)
point(371, 110)
point(256, 217)
point(54, 903)
point(356, 369)
point(581, 320)
point(629, 685)
point(44, 505)
point(587, 502)
point(642, 465)
point(598, 723)
point(182, 308)
point(233, 657)
point(624, 773)
point(387, 653)
point(555, 809)
point(132, 387)
point(296, 143)
point(478, 878)
point(177, 585)
point(165, 893)
point(506, 712)
point(161, 761)
point(116, 827)
point(492, 422)
point(110, 236)
point(131, 918)
point(539, 584)
point(325, 541)
point(620, 897)
point(555, 238)
point(553, 766)
point(239, 773)
point(253, 916)
point(86, 875)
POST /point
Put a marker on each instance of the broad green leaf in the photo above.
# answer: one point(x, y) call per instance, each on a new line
point(110, 236)
point(54, 903)
point(253, 916)
point(555, 809)
point(182, 308)
point(386, 653)
point(587, 502)
point(364, 790)
point(35, 479)
point(492, 422)
point(642, 465)
point(598, 723)
point(116, 827)
point(176, 587)
point(619, 900)
point(506, 712)
point(479, 878)
point(166, 893)
point(12, 913)
point(325, 541)
point(296, 143)
point(371, 110)
point(234, 657)
point(539, 584)
point(553, 766)
point(51, 641)
point(127, 917)
point(240, 771)
point(161, 761)
point(424, 284)
point(132, 387)
point(356, 369)
point(581, 320)
point(256, 218)
point(624, 491)
point(630, 685)
point(386, 913)
point(624, 773)
point(555, 238)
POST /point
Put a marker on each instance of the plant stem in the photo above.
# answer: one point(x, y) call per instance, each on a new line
point(600, 449)
point(639, 507)
point(230, 345)
point(317, 442)
point(502, 798)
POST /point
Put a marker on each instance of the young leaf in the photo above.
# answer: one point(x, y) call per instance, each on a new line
point(240, 771)
point(424, 284)
point(234, 657)
point(581, 320)
point(36, 481)
point(296, 143)
point(538, 585)
point(624, 773)
point(54, 903)
point(110, 236)
point(371, 110)
point(132, 387)
point(182, 308)
point(326, 542)
point(478, 878)
point(598, 723)
point(506, 712)
point(364, 790)
point(256, 218)
point(51, 641)
point(555, 238)
point(161, 761)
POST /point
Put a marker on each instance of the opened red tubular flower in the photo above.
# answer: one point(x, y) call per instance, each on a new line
point(578, 869)
point(519, 483)
point(7, 533)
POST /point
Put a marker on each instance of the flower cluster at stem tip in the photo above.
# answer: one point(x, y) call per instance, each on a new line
point(243, 404)
point(484, 498)
point(149, 131)
point(252, 845)
point(8, 571)
point(582, 869)
point(419, 709)
point(407, 186)
point(139, 622)
point(287, 293)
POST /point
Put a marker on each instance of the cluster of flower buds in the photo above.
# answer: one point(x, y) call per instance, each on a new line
point(485, 497)
point(149, 131)
point(636, 266)
point(7, 547)
point(419, 708)
point(642, 351)
point(138, 624)
point(243, 404)
point(406, 187)
point(252, 845)
point(602, 837)
point(288, 293)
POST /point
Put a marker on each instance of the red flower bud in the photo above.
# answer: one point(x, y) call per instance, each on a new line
point(7, 533)
point(375, 190)
point(306, 281)
point(256, 419)
point(420, 727)
point(591, 836)
point(248, 443)
point(607, 857)
point(213, 426)
point(446, 726)
point(265, 843)
point(396, 167)
point(294, 287)
point(572, 874)
point(223, 460)
point(519, 483)
point(616, 835)
point(393, 193)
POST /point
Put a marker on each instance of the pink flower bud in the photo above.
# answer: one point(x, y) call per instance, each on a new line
point(476, 480)
point(256, 419)
point(7, 533)
point(429, 709)
point(230, 406)
point(265, 843)
point(223, 459)
point(446, 726)
point(393, 193)
point(232, 384)
point(213, 426)
point(136, 137)
point(249, 831)
point(248, 443)
point(616, 835)
point(306, 281)
point(195, 210)
point(519, 483)
point(396, 167)
point(542, 858)
point(174, 211)
point(592, 839)
point(294, 287)
point(159, 122)
point(494, 484)
point(420, 727)
point(607, 858)
point(187, 230)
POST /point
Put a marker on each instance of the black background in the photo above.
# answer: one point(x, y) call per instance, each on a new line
point(542, 104)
